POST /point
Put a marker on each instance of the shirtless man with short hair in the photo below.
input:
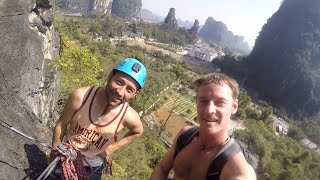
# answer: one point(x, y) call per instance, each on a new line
point(93, 116)
point(216, 102)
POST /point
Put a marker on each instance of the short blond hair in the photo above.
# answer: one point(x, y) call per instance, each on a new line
point(218, 79)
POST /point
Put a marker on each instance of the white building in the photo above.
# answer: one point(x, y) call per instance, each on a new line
point(203, 54)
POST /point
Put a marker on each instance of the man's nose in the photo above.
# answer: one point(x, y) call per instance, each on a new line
point(120, 91)
point(211, 107)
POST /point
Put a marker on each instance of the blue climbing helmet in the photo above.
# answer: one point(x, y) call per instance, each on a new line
point(133, 68)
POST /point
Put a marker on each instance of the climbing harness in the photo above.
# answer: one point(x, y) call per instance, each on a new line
point(71, 162)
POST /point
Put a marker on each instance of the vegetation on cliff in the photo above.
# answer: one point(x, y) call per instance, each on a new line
point(126, 9)
point(284, 64)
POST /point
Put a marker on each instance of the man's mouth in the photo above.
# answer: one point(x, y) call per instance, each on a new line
point(116, 97)
point(212, 120)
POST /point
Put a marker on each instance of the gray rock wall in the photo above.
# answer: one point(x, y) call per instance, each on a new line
point(83, 6)
point(20, 157)
point(29, 87)
point(102, 6)
point(28, 43)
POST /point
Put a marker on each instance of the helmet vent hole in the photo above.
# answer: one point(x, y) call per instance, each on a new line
point(136, 67)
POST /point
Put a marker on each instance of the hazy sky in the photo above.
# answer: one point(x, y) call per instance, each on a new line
point(243, 17)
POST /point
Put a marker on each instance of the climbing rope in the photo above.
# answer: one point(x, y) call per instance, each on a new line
point(107, 163)
point(71, 162)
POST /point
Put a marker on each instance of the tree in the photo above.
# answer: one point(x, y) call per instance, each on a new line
point(295, 133)
point(77, 67)
point(178, 70)
point(266, 112)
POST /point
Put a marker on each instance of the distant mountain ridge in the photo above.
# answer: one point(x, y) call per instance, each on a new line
point(212, 31)
point(217, 32)
point(149, 16)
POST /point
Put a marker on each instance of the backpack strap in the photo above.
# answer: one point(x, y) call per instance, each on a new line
point(185, 138)
point(216, 166)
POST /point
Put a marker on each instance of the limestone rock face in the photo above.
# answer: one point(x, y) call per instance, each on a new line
point(82, 6)
point(127, 9)
point(20, 158)
point(28, 43)
point(29, 86)
point(217, 32)
point(101, 6)
point(195, 28)
point(171, 21)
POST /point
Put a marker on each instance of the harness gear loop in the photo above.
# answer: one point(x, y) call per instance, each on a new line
point(71, 163)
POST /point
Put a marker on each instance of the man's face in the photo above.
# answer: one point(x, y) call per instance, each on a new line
point(215, 106)
point(120, 88)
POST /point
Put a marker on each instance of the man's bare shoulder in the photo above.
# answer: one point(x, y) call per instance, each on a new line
point(77, 96)
point(238, 168)
point(184, 129)
point(132, 119)
point(132, 114)
point(80, 92)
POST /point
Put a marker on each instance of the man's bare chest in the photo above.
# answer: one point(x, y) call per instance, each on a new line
point(193, 163)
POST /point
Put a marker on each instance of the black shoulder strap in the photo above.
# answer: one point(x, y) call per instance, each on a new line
point(185, 138)
point(218, 163)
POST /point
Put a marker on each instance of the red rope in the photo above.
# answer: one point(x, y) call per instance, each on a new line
point(71, 162)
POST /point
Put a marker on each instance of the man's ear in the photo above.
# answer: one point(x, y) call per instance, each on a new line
point(138, 91)
point(234, 106)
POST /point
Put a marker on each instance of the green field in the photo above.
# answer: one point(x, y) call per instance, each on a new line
point(184, 106)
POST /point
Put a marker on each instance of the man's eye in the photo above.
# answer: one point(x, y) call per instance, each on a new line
point(220, 103)
point(129, 90)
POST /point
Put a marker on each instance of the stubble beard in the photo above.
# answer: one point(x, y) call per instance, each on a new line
point(109, 95)
point(212, 126)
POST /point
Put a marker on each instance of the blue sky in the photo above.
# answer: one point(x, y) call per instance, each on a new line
point(243, 17)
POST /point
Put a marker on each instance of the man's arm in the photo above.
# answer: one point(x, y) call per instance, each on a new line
point(73, 103)
point(165, 165)
point(135, 129)
point(162, 170)
point(237, 168)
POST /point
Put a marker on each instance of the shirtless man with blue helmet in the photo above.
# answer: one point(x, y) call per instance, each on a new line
point(93, 116)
